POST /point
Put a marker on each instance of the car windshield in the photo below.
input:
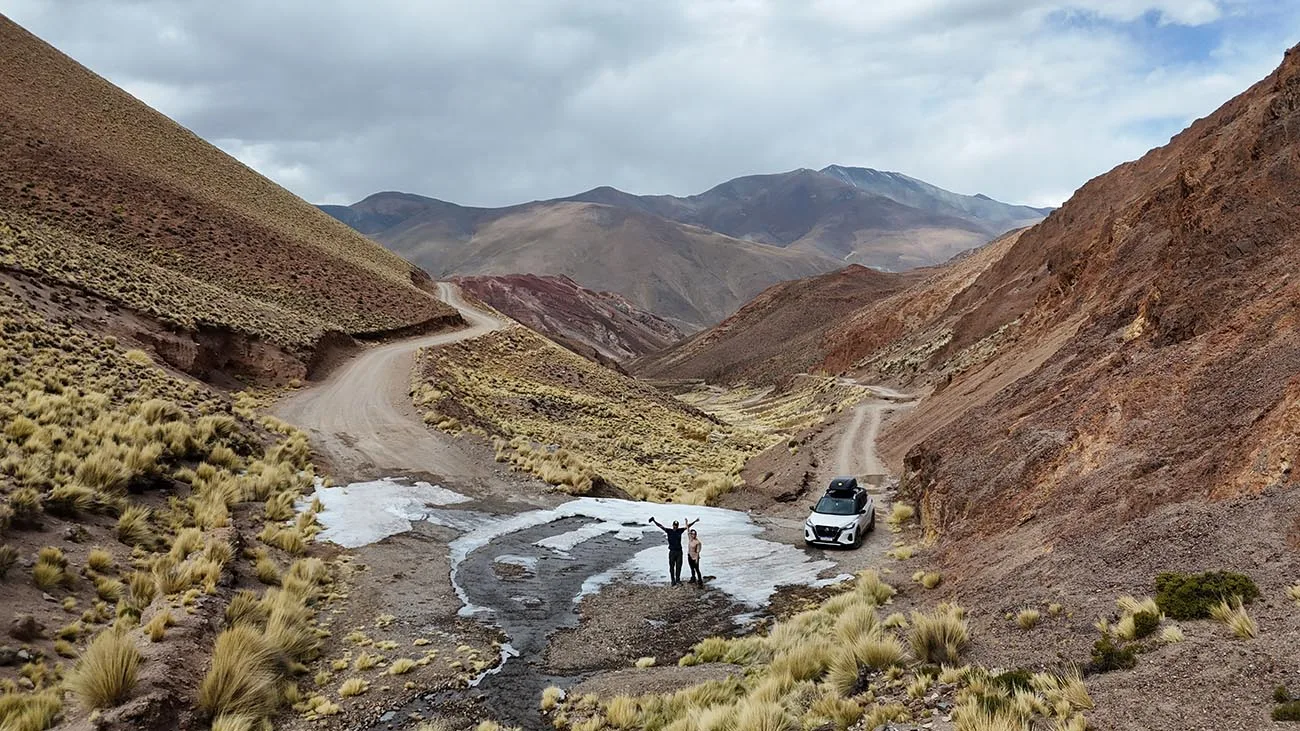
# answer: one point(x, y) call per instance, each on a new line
point(835, 506)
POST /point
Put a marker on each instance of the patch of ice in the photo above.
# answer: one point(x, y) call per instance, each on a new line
point(565, 542)
point(507, 652)
point(365, 512)
point(742, 564)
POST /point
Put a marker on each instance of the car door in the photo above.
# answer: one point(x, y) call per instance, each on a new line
point(859, 506)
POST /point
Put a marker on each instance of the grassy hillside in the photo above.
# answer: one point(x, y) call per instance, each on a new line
point(102, 193)
point(153, 570)
point(125, 496)
point(575, 423)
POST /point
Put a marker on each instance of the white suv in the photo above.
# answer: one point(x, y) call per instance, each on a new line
point(842, 517)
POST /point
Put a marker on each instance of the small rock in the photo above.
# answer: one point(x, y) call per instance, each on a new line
point(25, 628)
point(49, 598)
point(26, 683)
point(388, 717)
point(24, 654)
point(8, 656)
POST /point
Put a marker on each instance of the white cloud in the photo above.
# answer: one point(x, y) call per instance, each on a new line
point(494, 102)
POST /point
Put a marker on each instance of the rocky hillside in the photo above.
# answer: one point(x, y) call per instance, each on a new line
point(106, 196)
point(707, 253)
point(1113, 393)
point(601, 325)
point(777, 334)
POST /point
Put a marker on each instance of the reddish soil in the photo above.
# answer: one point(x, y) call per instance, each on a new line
point(603, 326)
point(777, 333)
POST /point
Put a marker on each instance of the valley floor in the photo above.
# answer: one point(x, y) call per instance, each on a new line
point(508, 586)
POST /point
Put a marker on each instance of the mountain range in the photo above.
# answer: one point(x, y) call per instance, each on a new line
point(695, 259)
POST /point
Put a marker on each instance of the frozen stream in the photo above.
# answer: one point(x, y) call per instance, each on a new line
point(555, 557)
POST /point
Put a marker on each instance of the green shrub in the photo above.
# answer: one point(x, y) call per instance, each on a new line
point(1144, 624)
point(1281, 694)
point(1014, 680)
point(1191, 596)
point(1108, 656)
point(1289, 711)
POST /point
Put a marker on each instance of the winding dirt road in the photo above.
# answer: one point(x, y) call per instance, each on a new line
point(363, 418)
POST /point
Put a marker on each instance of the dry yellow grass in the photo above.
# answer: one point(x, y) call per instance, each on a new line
point(242, 679)
point(1234, 616)
point(569, 421)
point(106, 671)
point(353, 687)
point(1028, 618)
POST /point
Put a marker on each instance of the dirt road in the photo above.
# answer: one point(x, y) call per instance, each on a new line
point(856, 452)
point(363, 418)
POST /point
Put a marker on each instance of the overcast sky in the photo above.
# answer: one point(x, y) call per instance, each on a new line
point(490, 102)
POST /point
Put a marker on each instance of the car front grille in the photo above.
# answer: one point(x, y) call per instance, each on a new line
point(823, 531)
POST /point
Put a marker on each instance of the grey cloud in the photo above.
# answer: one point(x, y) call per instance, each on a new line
point(493, 102)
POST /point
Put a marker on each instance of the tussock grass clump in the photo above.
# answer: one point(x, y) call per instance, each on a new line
point(157, 627)
point(70, 500)
point(133, 526)
point(881, 714)
point(8, 557)
point(622, 712)
point(872, 586)
point(110, 590)
point(366, 661)
point(143, 588)
point(551, 698)
point(169, 576)
point(47, 576)
point(1028, 618)
point(1172, 634)
point(353, 687)
point(246, 607)
point(402, 666)
point(243, 679)
point(645, 662)
point(901, 553)
point(99, 560)
point(939, 636)
point(879, 652)
point(1234, 617)
point(899, 514)
point(107, 670)
point(267, 571)
point(30, 711)
point(290, 540)
point(763, 716)
point(25, 511)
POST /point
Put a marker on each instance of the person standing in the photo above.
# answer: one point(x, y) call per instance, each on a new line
point(674, 547)
point(693, 546)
